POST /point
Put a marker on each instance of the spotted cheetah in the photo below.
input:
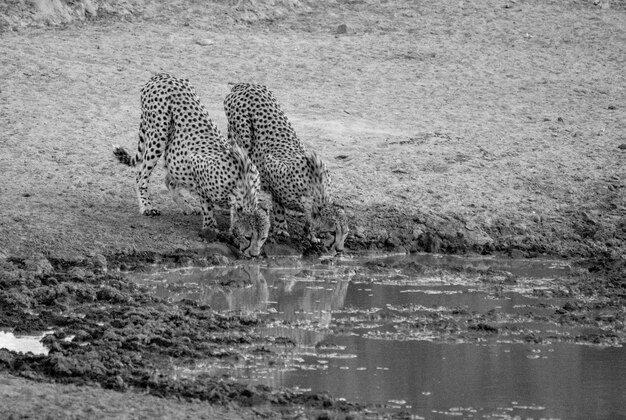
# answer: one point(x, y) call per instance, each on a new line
point(296, 178)
point(197, 157)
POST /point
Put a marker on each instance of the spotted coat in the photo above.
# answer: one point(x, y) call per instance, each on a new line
point(198, 158)
point(296, 178)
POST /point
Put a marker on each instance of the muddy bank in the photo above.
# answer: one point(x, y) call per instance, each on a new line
point(594, 248)
point(388, 228)
point(110, 333)
point(575, 235)
point(385, 228)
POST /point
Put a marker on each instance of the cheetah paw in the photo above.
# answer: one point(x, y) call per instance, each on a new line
point(283, 233)
point(192, 210)
point(208, 235)
point(151, 212)
point(314, 239)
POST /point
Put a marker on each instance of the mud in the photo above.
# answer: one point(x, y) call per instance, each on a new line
point(111, 334)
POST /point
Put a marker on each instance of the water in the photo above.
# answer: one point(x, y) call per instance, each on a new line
point(417, 334)
point(555, 381)
point(24, 343)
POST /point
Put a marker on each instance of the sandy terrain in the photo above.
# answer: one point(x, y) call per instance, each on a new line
point(496, 117)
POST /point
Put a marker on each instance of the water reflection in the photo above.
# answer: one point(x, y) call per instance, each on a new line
point(297, 300)
point(298, 303)
point(557, 381)
point(378, 331)
point(204, 286)
point(533, 268)
point(303, 309)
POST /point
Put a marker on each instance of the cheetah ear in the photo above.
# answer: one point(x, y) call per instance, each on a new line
point(316, 211)
point(339, 208)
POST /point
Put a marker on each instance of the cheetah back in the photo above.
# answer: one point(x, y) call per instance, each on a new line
point(197, 157)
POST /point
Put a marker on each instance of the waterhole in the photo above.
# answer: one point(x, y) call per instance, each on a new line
point(435, 336)
point(23, 343)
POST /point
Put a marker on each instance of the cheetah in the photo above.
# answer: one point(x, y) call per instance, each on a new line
point(297, 179)
point(198, 158)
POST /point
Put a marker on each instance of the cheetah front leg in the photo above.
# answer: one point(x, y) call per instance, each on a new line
point(150, 148)
point(309, 232)
point(142, 180)
point(209, 224)
point(280, 224)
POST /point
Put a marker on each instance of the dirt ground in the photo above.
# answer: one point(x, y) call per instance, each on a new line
point(454, 126)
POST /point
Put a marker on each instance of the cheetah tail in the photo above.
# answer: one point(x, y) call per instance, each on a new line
point(123, 156)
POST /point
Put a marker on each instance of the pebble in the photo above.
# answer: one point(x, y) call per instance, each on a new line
point(393, 240)
point(39, 264)
point(99, 262)
point(342, 29)
point(77, 272)
point(517, 254)
point(380, 234)
point(90, 9)
point(359, 232)
point(67, 256)
point(220, 260)
point(417, 232)
point(204, 42)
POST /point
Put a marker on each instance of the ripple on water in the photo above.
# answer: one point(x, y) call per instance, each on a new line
point(432, 335)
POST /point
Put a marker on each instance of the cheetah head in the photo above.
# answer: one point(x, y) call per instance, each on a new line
point(331, 224)
point(250, 230)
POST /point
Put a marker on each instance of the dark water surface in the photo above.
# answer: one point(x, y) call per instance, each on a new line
point(394, 332)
